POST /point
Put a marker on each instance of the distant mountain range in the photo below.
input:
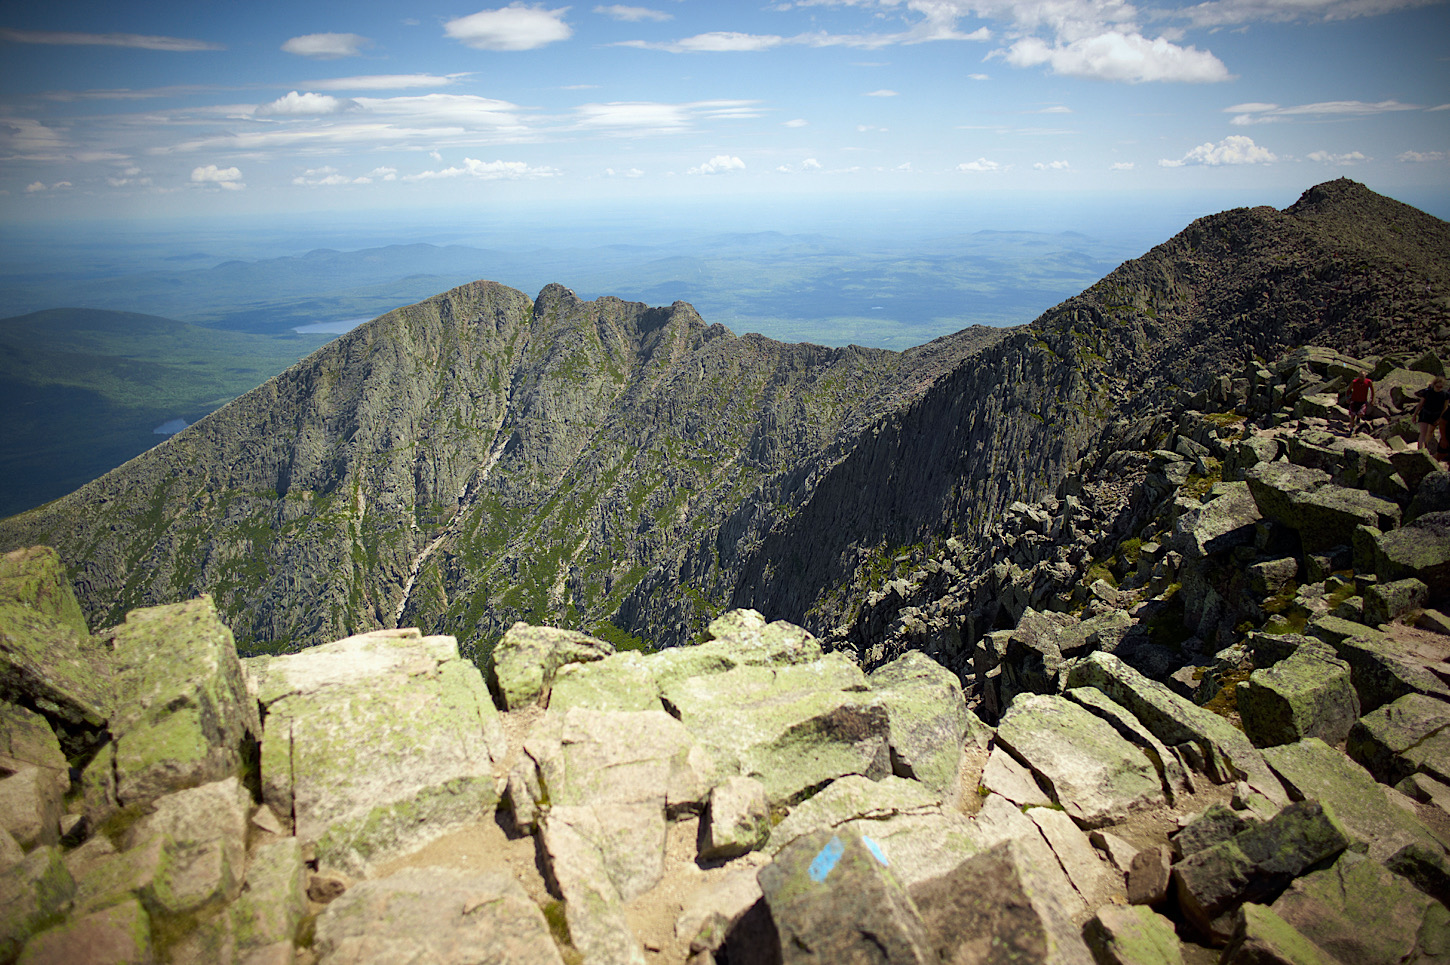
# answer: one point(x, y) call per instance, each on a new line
point(481, 457)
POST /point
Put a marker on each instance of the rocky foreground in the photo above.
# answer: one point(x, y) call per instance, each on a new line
point(750, 798)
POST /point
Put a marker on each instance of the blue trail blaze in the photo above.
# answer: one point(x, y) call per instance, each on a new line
point(824, 862)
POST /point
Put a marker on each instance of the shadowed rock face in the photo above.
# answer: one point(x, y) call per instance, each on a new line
point(477, 458)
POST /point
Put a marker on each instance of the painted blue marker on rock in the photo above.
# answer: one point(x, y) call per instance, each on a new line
point(824, 862)
point(876, 850)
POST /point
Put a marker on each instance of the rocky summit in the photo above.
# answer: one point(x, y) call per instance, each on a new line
point(1102, 640)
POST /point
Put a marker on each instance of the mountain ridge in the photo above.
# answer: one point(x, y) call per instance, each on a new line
point(479, 457)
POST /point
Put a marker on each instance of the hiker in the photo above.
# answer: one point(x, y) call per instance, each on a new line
point(1430, 411)
point(1361, 394)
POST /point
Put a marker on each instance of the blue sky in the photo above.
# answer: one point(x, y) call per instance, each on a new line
point(216, 109)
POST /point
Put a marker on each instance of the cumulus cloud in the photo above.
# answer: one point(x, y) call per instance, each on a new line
point(809, 164)
point(128, 177)
point(296, 104)
point(1118, 56)
point(1121, 166)
point(1341, 160)
point(515, 27)
point(139, 41)
point(388, 81)
point(228, 178)
point(719, 164)
point(1052, 166)
point(327, 46)
point(980, 164)
point(487, 171)
point(1422, 157)
point(626, 173)
point(1234, 149)
point(384, 173)
point(36, 187)
point(633, 14)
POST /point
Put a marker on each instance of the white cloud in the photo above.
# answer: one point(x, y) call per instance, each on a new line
point(26, 139)
point(128, 177)
point(228, 178)
point(724, 41)
point(138, 41)
point(1422, 157)
point(1121, 166)
point(1220, 13)
point(797, 122)
point(387, 82)
point(1118, 56)
point(638, 118)
point(627, 173)
point(35, 187)
point(515, 27)
point(633, 14)
point(884, 92)
point(1052, 166)
point(327, 46)
point(487, 171)
point(719, 164)
point(980, 164)
point(1250, 114)
point(384, 173)
point(296, 104)
point(978, 77)
point(1059, 109)
point(1234, 149)
point(1439, 107)
point(809, 164)
point(1342, 160)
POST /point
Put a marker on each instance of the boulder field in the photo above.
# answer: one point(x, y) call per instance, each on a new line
point(750, 798)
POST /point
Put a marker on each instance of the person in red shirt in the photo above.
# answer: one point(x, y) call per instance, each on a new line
point(1361, 394)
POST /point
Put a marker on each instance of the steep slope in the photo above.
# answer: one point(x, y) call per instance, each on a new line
point(466, 462)
point(1344, 267)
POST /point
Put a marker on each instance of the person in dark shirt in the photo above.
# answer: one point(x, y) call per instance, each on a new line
point(1430, 412)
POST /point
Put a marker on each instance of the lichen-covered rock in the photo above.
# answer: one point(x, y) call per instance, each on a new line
point(833, 899)
point(620, 682)
point(1384, 602)
point(574, 844)
point(183, 716)
point(738, 819)
point(928, 720)
point(46, 653)
point(1173, 720)
point(1225, 519)
point(1381, 670)
point(425, 767)
point(30, 806)
point(1403, 737)
point(1216, 823)
point(1308, 694)
point(1132, 935)
point(274, 900)
point(526, 660)
point(1175, 778)
point(1095, 775)
point(791, 727)
point(118, 935)
point(997, 905)
point(1260, 937)
point(205, 849)
point(33, 893)
point(1313, 770)
point(437, 915)
point(1358, 911)
point(1420, 550)
point(1255, 865)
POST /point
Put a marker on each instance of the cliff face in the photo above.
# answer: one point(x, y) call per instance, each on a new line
point(477, 458)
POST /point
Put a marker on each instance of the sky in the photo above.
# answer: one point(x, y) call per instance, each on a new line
point(230, 109)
